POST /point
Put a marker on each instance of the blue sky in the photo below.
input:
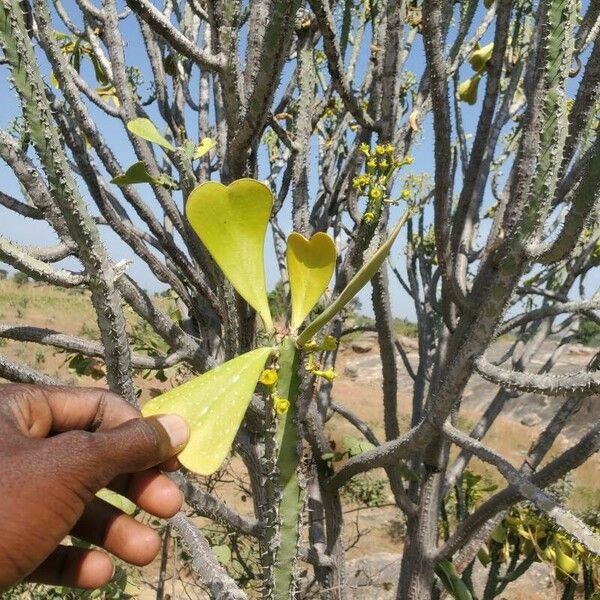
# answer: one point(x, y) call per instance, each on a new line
point(27, 231)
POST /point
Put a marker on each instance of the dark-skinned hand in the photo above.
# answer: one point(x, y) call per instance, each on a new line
point(58, 447)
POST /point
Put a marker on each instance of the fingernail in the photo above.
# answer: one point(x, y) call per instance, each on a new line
point(176, 428)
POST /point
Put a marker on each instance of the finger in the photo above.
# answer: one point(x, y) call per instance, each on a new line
point(39, 410)
point(151, 491)
point(142, 443)
point(105, 525)
point(95, 459)
point(74, 567)
point(170, 465)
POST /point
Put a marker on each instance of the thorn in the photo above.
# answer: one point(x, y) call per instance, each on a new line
point(121, 267)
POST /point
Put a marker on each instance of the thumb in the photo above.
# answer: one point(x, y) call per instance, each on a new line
point(136, 445)
point(142, 443)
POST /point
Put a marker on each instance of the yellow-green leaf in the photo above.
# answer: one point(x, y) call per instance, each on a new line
point(205, 145)
point(454, 585)
point(109, 92)
point(362, 277)
point(481, 56)
point(136, 173)
point(232, 223)
point(467, 90)
point(213, 405)
point(146, 129)
point(118, 501)
point(310, 266)
point(564, 562)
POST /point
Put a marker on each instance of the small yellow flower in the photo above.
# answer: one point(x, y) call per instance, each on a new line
point(329, 343)
point(384, 164)
point(281, 405)
point(365, 149)
point(357, 183)
point(310, 346)
point(406, 194)
point(408, 160)
point(268, 377)
point(379, 149)
point(368, 217)
point(372, 163)
point(375, 193)
point(389, 148)
point(329, 374)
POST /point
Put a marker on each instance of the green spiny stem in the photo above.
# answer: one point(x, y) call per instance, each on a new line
point(270, 513)
point(492, 582)
point(560, 46)
point(291, 502)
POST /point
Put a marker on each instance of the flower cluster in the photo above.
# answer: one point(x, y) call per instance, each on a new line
point(426, 244)
point(269, 378)
point(379, 166)
point(328, 343)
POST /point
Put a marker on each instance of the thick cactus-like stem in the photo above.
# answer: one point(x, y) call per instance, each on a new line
point(270, 511)
point(291, 502)
point(559, 43)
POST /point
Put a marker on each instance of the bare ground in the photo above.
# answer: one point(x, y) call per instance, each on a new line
point(373, 535)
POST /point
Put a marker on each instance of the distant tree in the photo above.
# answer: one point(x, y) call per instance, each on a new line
point(278, 301)
point(588, 332)
point(20, 278)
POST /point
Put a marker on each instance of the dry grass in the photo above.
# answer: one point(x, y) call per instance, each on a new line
point(368, 530)
point(70, 311)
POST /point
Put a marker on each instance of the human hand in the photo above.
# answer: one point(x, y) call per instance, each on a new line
point(58, 447)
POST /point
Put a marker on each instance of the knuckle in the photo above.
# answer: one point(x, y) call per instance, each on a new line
point(80, 462)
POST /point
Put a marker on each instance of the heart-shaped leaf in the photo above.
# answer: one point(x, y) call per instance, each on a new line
point(136, 173)
point(362, 277)
point(147, 130)
point(310, 266)
point(232, 223)
point(205, 145)
point(213, 405)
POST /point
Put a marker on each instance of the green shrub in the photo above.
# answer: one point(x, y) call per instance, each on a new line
point(20, 278)
point(588, 333)
point(366, 490)
point(406, 328)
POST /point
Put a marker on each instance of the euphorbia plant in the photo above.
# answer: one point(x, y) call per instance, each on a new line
point(231, 221)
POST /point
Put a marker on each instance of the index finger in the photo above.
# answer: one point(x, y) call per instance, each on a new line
point(39, 410)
